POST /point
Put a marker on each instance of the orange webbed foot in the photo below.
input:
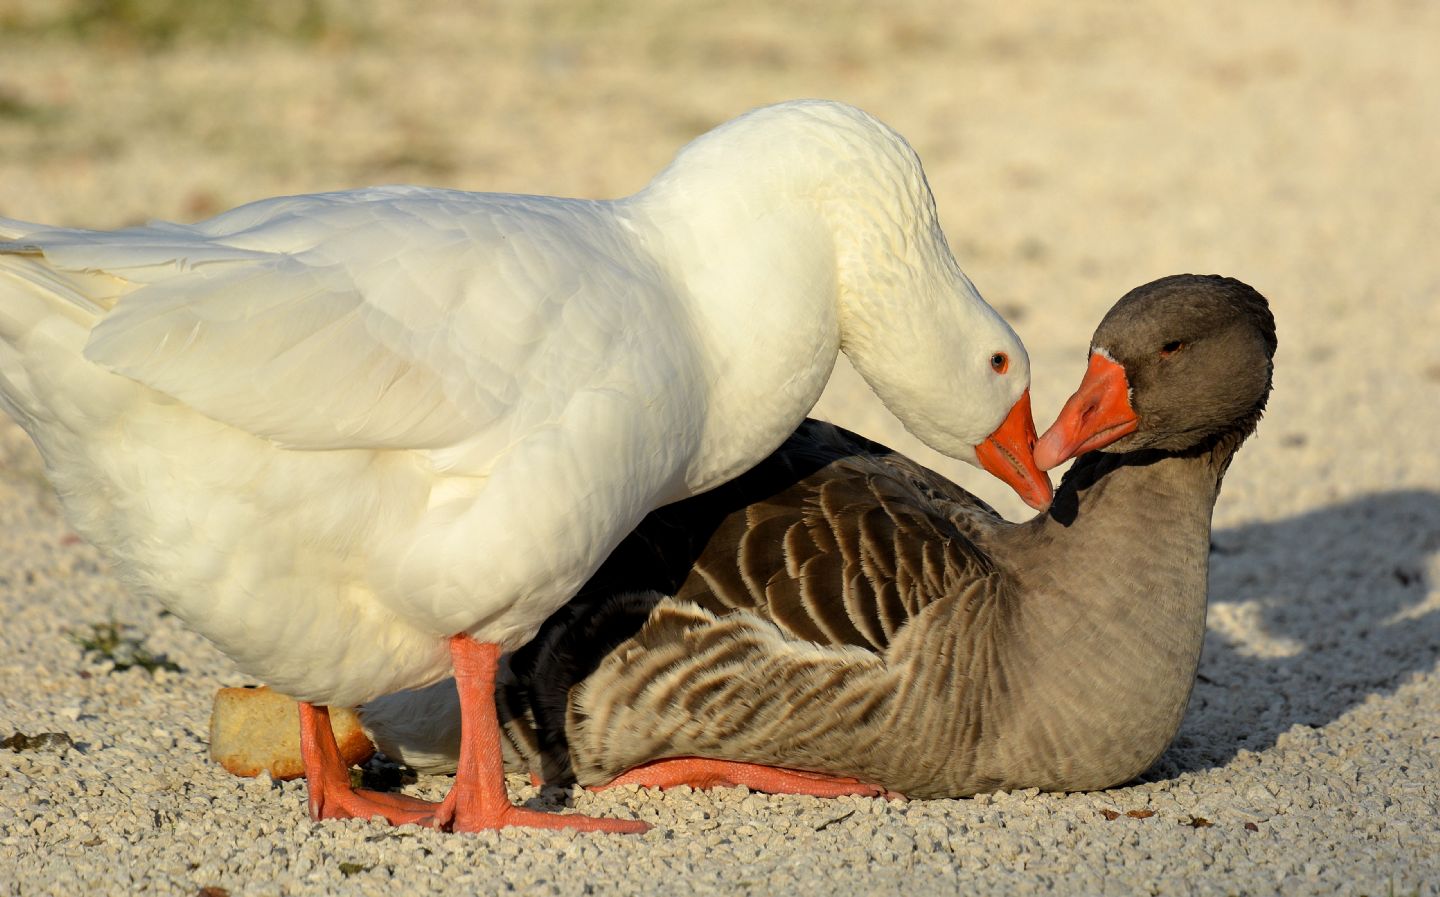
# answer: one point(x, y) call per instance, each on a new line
point(698, 772)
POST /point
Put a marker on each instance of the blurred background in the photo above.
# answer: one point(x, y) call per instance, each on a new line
point(1076, 150)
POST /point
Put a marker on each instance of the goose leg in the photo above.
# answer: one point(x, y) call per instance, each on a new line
point(699, 772)
point(478, 800)
point(328, 780)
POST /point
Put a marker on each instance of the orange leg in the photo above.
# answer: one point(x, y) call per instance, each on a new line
point(478, 800)
point(698, 772)
point(328, 778)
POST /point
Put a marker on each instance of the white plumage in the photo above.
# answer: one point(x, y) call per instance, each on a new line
point(330, 431)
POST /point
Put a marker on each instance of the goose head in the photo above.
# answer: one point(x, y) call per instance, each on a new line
point(842, 207)
point(958, 377)
point(949, 366)
point(1175, 362)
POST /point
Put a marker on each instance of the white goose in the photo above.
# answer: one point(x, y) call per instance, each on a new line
point(360, 439)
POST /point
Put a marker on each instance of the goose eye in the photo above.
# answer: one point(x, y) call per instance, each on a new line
point(1171, 348)
point(1000, 362)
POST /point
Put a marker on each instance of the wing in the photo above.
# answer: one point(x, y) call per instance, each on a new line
point(386, 318)
point(736, 687)
point(831, 544)
point(731, 687)
point(834, 538)
point(848, 554)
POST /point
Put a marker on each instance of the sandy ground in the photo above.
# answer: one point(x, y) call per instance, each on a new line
point(1075, 150)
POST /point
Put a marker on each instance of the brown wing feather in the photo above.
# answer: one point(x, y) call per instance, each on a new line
point(833, 539)
point(844, 555)
point(736, 687)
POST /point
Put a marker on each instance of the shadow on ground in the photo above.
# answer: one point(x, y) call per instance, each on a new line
point(1339, 591)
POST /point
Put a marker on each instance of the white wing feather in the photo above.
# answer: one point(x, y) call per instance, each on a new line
point(387, 318)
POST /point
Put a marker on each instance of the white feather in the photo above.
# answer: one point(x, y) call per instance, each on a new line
point(330, 431)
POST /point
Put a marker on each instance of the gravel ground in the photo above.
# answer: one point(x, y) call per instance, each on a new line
point(1075, 150)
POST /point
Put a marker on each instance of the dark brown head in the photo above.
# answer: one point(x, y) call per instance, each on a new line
point(1174, 363)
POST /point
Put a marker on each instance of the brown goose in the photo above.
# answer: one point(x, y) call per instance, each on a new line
point(843, 610)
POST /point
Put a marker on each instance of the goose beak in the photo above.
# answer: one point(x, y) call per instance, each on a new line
point(1009, 453)
point(1096, 415)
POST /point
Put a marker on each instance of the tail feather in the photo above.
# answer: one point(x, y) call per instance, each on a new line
point(131, 256)
point(11, 230)
point(60, 292)
point(45, 318)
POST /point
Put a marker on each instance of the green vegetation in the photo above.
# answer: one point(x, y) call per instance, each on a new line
point(108, 641)
point(45, 741)
point(156, 24)
point(15, 107)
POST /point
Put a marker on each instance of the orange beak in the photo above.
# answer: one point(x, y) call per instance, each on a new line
point(1096, 415)
point(1009, 453)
